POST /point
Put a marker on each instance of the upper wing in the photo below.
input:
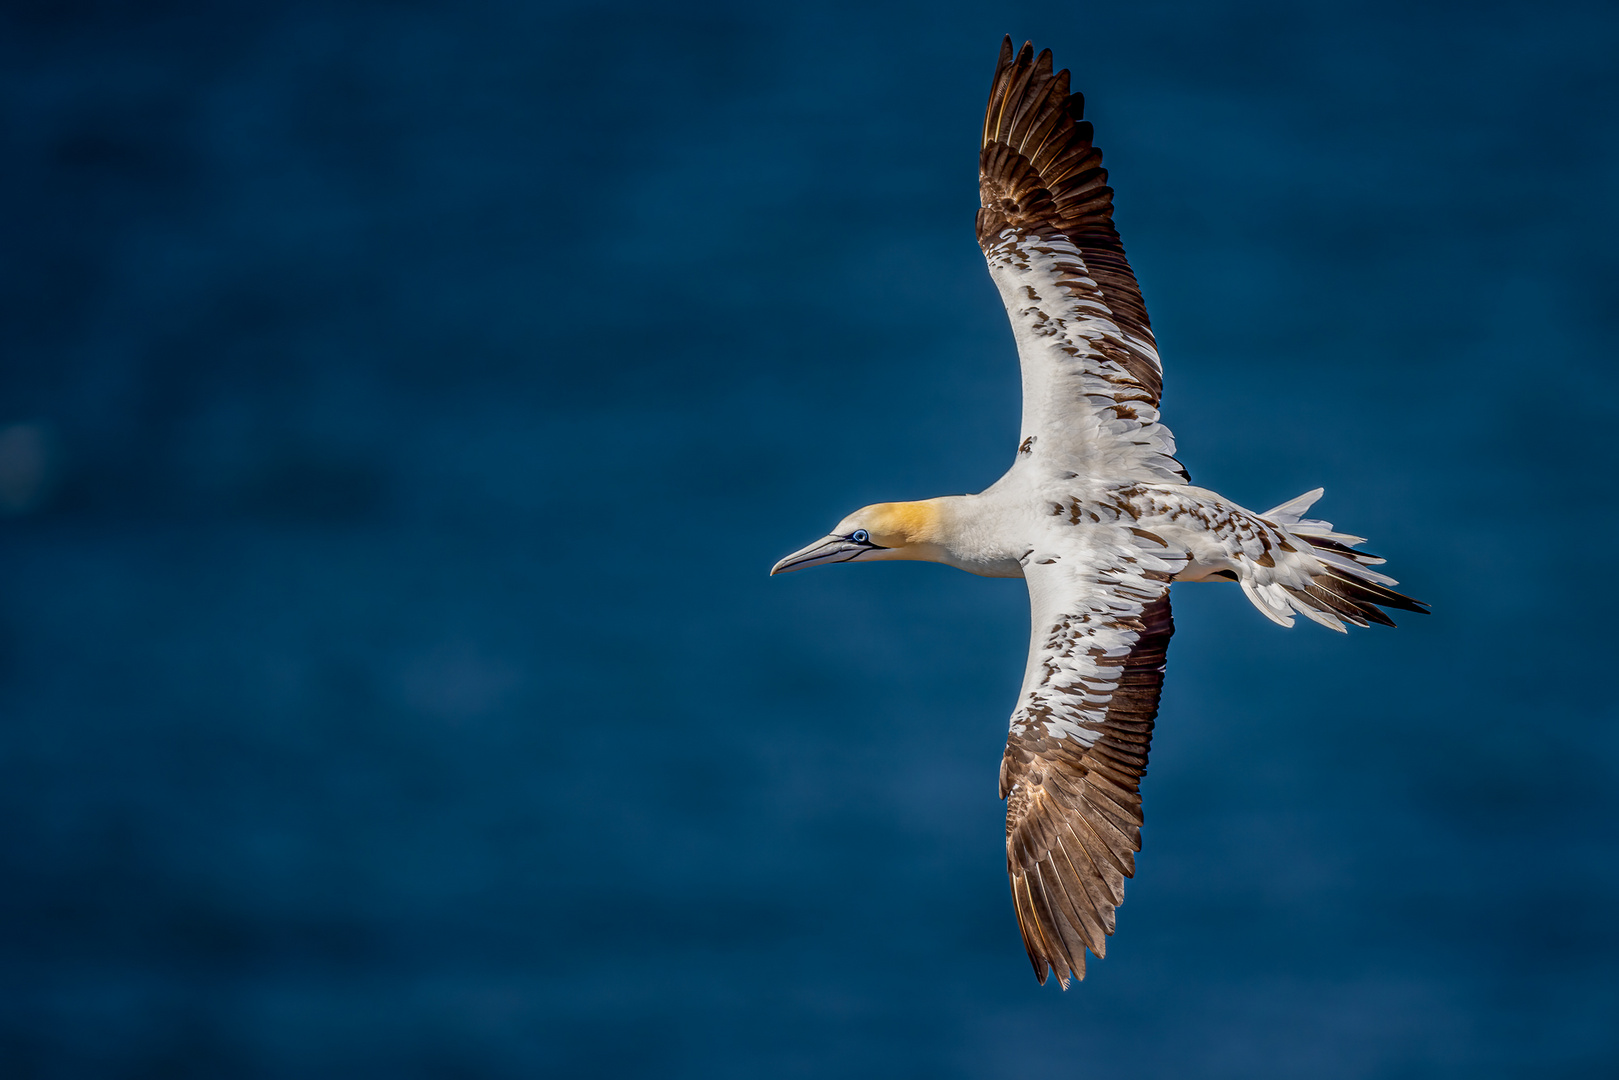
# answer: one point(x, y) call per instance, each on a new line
point(1091, 375)
point(1078, 746)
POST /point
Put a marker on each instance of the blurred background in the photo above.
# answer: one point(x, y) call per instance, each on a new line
point(401, 406)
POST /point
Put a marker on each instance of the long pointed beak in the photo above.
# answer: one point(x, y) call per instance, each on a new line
point(831, 549)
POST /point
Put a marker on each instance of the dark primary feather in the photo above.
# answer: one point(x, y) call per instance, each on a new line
point(1039, 174)
point(1073, 815)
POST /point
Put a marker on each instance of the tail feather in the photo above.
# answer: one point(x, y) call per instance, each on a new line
point(1369, 592)
point(1291, 511)
point(1313, 610)
point(1287, 564)
point(1344, 589)
point(1342, 606)
point(1325, 544)
point(1352, 567)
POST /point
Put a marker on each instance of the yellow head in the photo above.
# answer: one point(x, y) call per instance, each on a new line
point(903, 530)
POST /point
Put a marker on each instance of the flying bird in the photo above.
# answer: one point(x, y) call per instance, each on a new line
point(1097, 516)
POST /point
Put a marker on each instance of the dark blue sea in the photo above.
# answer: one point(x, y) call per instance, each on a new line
point(401, 406)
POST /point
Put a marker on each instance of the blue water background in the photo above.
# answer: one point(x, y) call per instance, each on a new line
point(406, 402)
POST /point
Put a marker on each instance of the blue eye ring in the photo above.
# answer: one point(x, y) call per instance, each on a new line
point(860, 536)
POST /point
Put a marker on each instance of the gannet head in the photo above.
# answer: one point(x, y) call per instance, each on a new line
point(905, 530)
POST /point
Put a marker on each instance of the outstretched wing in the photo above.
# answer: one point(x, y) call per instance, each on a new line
point(1091, 376)
point(1078, 746)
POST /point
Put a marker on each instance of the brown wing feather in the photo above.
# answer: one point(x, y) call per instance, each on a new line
point(1039, 174)
point(1073, 814)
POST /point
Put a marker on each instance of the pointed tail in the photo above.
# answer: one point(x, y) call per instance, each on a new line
point(1341, 586)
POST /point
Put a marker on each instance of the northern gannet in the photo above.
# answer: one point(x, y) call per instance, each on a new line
point(1097, 516)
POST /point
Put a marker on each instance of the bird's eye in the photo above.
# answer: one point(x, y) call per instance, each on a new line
point(860, 536)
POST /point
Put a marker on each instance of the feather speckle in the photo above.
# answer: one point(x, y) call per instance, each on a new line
point(1099, 518)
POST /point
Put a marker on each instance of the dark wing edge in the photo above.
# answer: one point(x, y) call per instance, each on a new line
point(1039, 174)
point(1073, 814)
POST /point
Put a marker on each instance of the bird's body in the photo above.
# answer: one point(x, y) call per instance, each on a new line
point(1097, 515)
